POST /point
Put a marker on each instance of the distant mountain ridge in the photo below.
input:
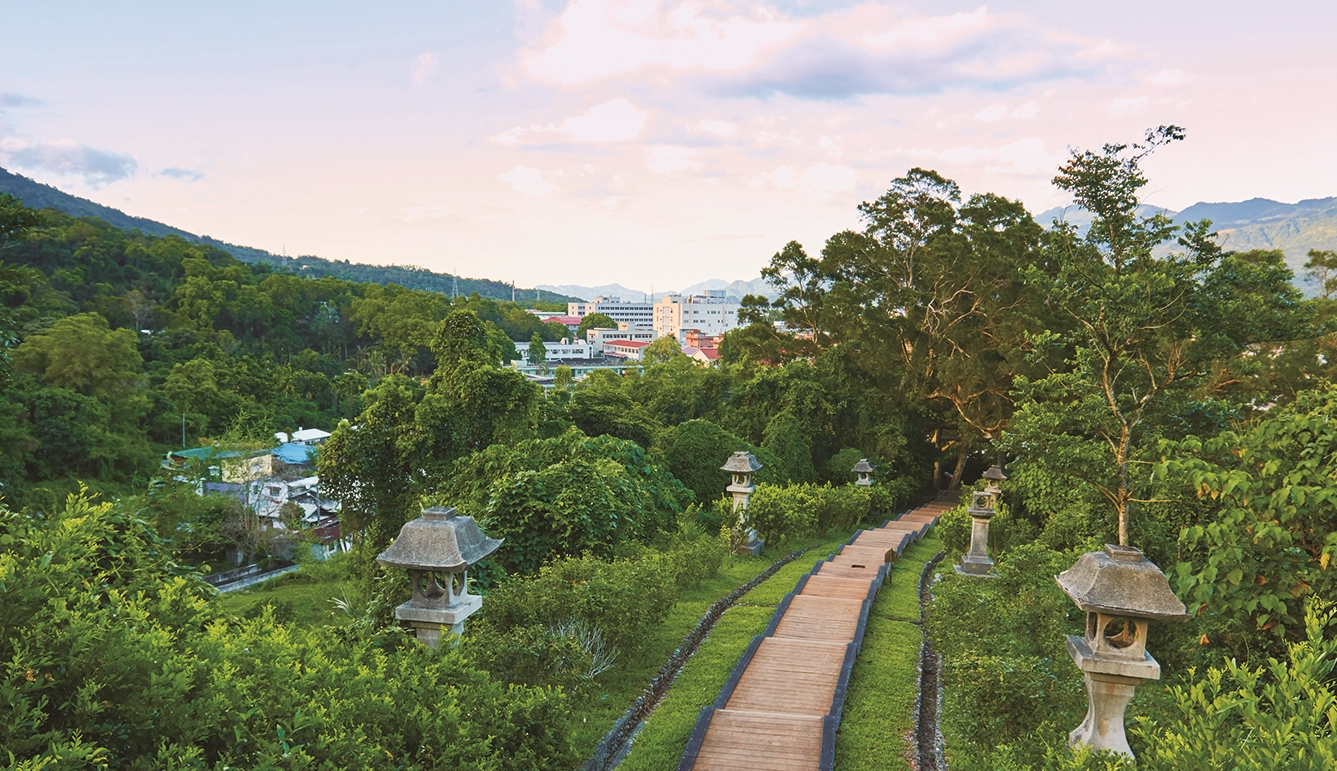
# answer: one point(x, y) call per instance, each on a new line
point(39, 196)
point(1258, 223)
point(737, 289)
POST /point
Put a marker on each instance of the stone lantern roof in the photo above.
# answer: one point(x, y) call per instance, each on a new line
point(864, 467)
point(1120, 581)
point(995, 474)
point(741, 463)
point(438, 541)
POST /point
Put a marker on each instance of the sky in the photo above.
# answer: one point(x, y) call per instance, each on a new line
point(640, 142)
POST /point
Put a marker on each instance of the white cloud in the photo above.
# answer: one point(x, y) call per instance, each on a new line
point(996, 112)
point(1026, 111)
point(782, 178)
point(993, 112)
point(595, 39)
point(424, 67)
point(819, 181)
point(616, 120)
point(749, 49)
point(720, 128)
point(1027, 156)
point(527, 180)
point(826, 179)
point(1169, 78)
point(671, 159)
point(829, 145)
point(1120, 108)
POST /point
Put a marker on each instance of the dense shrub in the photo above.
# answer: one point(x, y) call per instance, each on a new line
point(698, 448)
point(838, 470)
point(798, 511)
point(785, 440)
point(568, 496)
point(110, 660)
point(1005, 670)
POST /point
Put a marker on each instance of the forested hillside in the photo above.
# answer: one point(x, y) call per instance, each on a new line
point(122, 342)
point(1141, 385)
point(36, 195)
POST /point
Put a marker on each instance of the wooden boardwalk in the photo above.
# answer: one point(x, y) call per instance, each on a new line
point(781, 706)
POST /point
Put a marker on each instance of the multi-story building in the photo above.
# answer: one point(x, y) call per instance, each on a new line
point(598, 336)
point(635, 314)
point(709, 313)
point(564, 349)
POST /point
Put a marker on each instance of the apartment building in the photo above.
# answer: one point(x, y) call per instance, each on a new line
point(597, 337)
point(636, 314)
point(565, 349)
point(709, 313)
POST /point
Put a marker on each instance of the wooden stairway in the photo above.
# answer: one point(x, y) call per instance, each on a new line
point(781, 706)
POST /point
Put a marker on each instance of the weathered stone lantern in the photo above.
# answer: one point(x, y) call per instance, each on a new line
point(1121, 591)
point(983, 506)
point(741, 466)
point(865, 471)
point(437, 549)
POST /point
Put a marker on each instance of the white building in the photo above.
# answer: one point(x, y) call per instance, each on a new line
point(565, 349)
point(636, 314)
point(624, 349)
point(597, 337)
point(710, 313)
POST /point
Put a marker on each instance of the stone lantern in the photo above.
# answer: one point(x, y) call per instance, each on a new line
point(865, 471)
point(741, 466)
point(983, 505)
point(1121, 591)
point(437, 549)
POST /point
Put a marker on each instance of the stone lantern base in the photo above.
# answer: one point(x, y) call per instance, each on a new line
point(751, 545)
point(976, 566)
point(1110, 684)
point(428, 623)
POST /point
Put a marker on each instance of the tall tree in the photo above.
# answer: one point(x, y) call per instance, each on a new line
point(1144, 331)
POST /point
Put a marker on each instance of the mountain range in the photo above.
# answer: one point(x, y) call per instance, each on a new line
point(1258, 223)
point(735, 289)
point(39, 196)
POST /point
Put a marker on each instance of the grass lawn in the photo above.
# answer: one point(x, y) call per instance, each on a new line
point(881, 695)
point(296, 599)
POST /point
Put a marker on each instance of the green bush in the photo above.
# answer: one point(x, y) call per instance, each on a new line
point(111, 660)
point(784, 439)
point(780, 514)
point(1005, 672)
point(696, 449)
point(568, 496)
point(624, 599)
point(838, 470)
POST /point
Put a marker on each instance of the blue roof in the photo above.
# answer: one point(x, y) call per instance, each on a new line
point(295, 454)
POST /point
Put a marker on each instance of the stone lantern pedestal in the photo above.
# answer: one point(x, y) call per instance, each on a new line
point(437, 549)
point(1121, 591)
point(977, 562)
point(741, 466)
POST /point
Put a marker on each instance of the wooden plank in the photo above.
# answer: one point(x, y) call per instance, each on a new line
point(760, 741)
point(792, 676)
point(831, 586)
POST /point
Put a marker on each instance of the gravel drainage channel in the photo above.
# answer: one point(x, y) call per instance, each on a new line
point(928, 738)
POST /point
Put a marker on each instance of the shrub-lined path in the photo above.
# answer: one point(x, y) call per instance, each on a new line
point(781, 706)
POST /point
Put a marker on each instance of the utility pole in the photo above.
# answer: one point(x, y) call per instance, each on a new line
point(512, 291)
point(455, 286)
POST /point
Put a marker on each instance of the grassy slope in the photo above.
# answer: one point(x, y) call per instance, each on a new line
point(881, 695)
point(661, 743)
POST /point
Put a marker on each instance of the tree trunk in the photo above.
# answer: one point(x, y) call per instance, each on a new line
point(937, 462)
point(960, 467)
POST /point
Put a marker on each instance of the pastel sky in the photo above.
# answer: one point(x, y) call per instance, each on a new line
point(638, 141)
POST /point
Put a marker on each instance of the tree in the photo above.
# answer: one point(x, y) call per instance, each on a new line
point(661, 350)
point(15, 219)
point(1144, 332)
point(784, 439)
point(1321, 272)
point(538, 352)
point(595, 321)
point(562, 377)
